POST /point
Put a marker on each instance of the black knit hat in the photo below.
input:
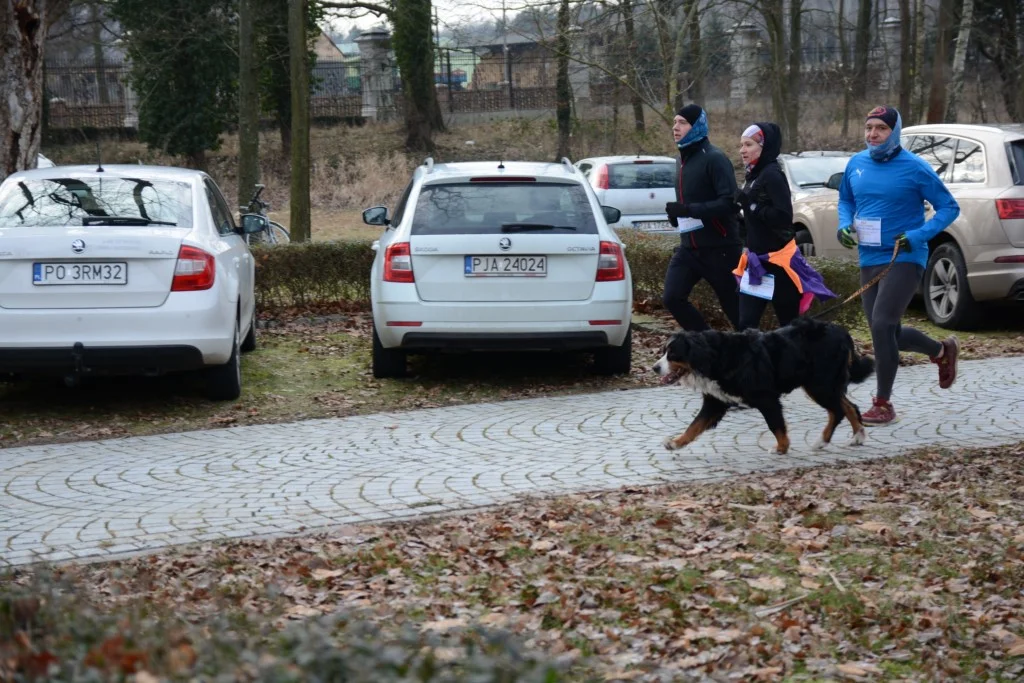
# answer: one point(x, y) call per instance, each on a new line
point(691, 113)
point(886, 114)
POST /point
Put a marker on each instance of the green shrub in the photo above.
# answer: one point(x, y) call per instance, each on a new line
point(330, 272)
point(48, 632)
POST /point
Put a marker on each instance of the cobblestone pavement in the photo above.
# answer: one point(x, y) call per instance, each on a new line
point(107, 498)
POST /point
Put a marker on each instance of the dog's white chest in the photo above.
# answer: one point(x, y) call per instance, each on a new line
point(709, 387)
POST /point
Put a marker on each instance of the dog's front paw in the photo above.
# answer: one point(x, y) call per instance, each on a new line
point(671, 444)
point(858, 438)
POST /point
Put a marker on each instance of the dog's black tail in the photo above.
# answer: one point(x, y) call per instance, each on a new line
point(861, 367)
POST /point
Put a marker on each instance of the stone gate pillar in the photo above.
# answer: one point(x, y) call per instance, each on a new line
point(375, 73)
point(743, 60)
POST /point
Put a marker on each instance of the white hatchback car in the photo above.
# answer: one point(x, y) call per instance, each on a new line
point(123, 270)
point(638, 186)
point(499, 256)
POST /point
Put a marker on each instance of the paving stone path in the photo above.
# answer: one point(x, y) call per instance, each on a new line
point(103, 499)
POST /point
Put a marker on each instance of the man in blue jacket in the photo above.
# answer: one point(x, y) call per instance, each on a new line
point(881, 204)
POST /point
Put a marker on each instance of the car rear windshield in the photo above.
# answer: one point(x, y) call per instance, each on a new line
point(1016, 152)
point(488, 208)
point(641, 176)
point(59, 202)
point(814, 171)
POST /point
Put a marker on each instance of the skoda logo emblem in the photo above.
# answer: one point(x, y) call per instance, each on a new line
point(78, 246)
point(504, 244)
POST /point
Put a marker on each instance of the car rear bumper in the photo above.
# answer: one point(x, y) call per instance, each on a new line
point(201, 321)
point(100, 360)
point(991, 281)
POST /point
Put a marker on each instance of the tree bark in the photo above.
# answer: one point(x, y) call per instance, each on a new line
point(563, 93)
point(299, 226)
point(638, 104)
point(98, 58)
point(919, 34)
point(861, 48)
point(907, 72)
point(24, 24)
point(844, 68)
point(248, 103)
point(940, 63)
point(772, 12)
point(956, 81)
point(796, 11)
point(694, 53)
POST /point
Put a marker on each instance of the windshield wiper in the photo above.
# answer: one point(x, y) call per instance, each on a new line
point(121, 220)
point(814, 184)
point(527, 227)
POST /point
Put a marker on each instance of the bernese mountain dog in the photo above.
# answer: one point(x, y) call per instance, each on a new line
point(755, 369)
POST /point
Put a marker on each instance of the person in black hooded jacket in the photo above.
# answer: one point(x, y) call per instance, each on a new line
point(704, 213)
point(767, 207)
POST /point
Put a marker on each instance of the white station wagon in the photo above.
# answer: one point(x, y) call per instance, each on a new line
point(123, 270)
point(499, 256)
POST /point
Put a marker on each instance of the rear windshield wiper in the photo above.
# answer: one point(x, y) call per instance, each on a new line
point(122, 220)
point(811, 184)
point(527, 227)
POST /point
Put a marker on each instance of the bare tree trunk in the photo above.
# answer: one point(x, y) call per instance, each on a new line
point(956, 81)
point(907, 74)
point(563, 94)
point(862, 48)
point(796, 11)
point(694, 53)
point(637, 102)
point(248, 103)
point(844, 68)
point(23, 24)
point(940, 63)
point(299, 227)
point(99, 63)
point(919, 32)
point(771, 11)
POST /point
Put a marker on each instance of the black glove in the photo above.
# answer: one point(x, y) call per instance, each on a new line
point(904, 242)
point(677, 210)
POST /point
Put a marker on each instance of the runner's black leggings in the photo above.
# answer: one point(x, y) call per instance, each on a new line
point(884, 306)
point(686, 268)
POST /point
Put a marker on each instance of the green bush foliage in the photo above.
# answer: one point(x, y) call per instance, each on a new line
point(47, 633)
point(329, 272)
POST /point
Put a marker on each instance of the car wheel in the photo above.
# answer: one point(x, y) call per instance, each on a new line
point(387, 362)
point(805, 242)
point(615, 360)
point(249, 343)
point(947, 295)
point(224, 382)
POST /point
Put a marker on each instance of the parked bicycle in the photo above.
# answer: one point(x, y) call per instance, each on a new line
point(275, 233)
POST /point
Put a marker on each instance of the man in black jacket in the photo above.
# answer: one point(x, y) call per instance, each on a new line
point(705, 215)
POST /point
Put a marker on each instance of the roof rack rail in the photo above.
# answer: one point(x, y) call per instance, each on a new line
point(429, 163)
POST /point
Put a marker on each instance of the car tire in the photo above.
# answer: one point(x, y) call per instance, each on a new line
point(947, 294)
point(805, 242)
point(615, 360)
point(249, 343)
point(224, 382)
point(387, 363)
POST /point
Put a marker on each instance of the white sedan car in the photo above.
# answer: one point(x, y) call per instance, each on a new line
point(499, 256)
point(638, 186)
point(123, 270)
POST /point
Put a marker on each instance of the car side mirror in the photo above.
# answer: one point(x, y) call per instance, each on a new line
point(253, 223)
point(611, 214)
point(834, 181)
point(377, 215)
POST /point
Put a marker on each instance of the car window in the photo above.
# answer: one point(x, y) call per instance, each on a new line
point(969, 164)
point(65, 201)
point(1016, 154)
point(484, 208)
point(937, 150)
point(814, 171)
point(225, 226)
point(400, 207)
point(221, 216)
point(641, 176)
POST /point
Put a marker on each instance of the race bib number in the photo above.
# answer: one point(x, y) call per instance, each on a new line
point(869, 231)
point(765, 290)
point(689, 224)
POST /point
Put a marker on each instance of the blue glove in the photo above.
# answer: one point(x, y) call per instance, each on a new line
point(846, 238)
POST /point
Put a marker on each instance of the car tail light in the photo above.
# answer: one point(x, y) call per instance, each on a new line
point(1010, 209)
point(398, 263)
point(194, 271)
point(1009, 259)
point(610, 264)
point(605, 322)
point(601, 177)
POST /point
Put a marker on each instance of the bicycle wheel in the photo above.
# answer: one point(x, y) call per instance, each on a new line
point(277, 234)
